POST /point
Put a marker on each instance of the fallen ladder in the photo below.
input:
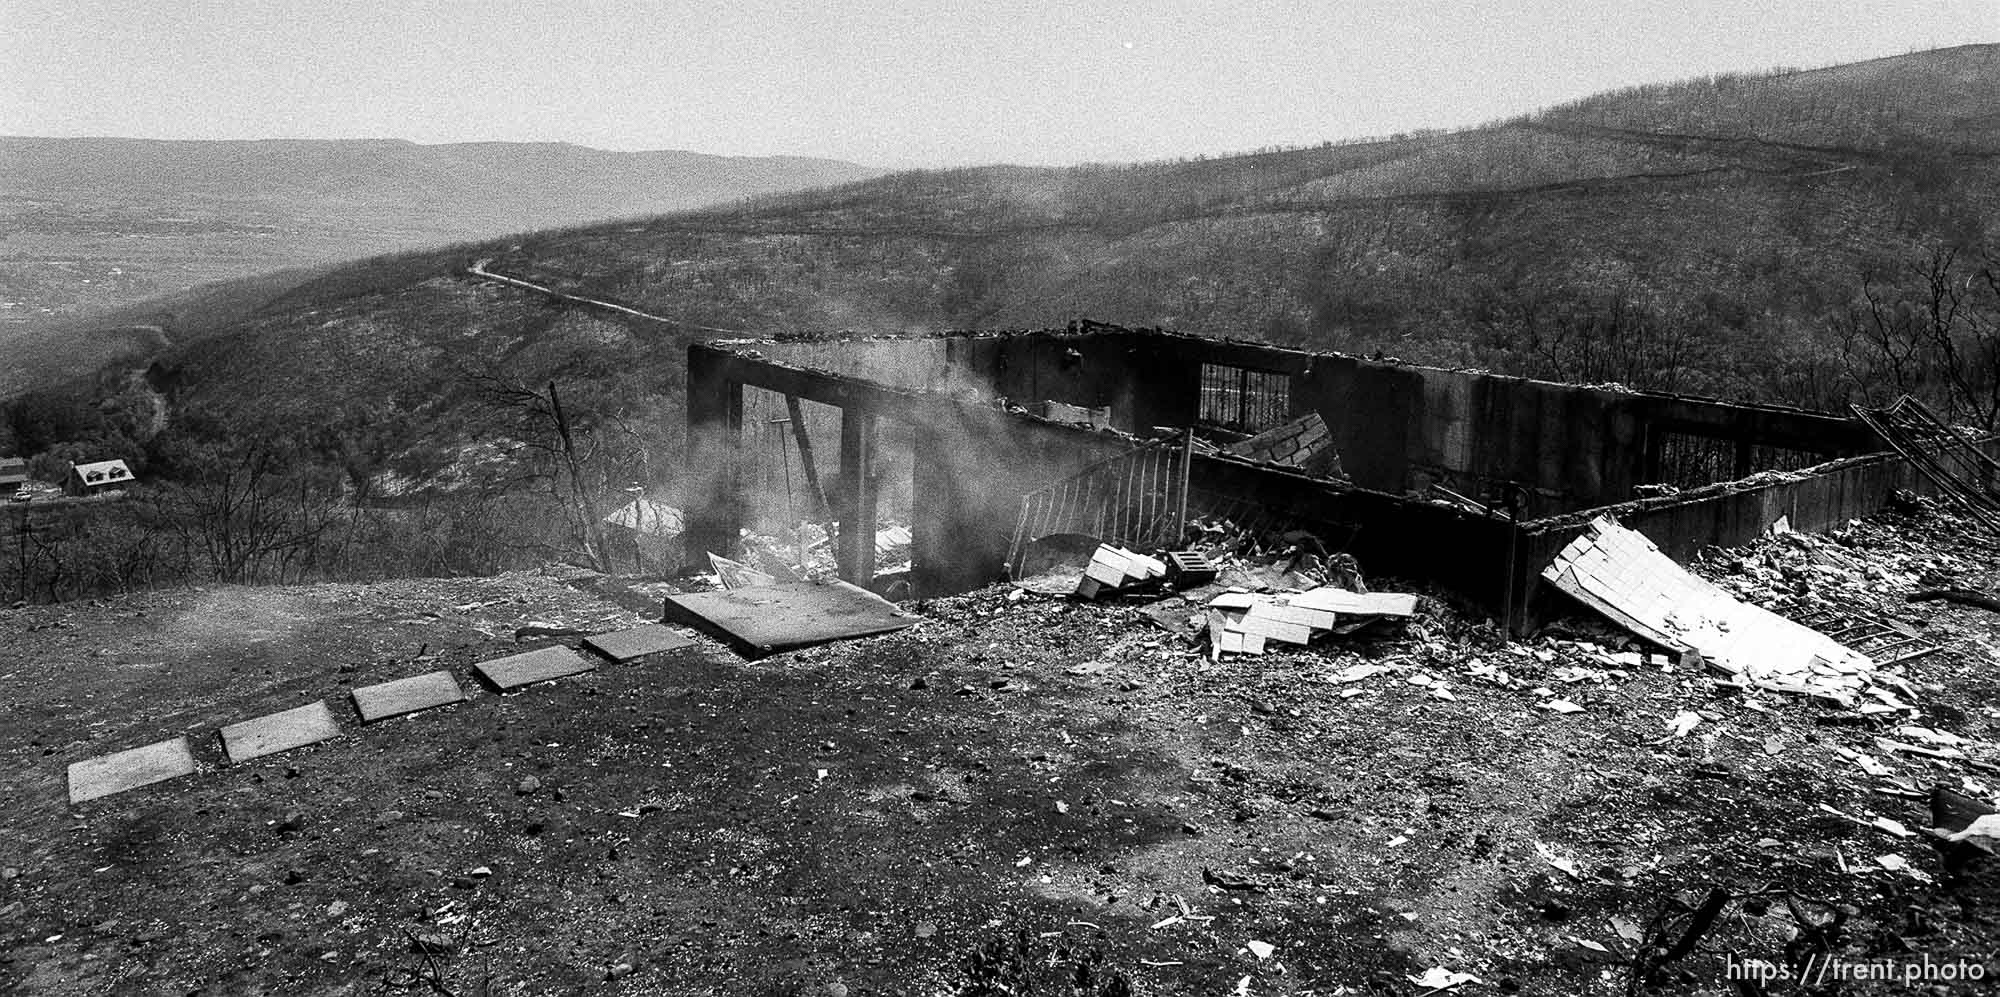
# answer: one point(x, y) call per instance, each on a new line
point(1883, 641)
point(1952, 460)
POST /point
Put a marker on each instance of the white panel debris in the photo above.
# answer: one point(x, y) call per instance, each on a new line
point(1619, 573)
point(1242, 622)
point(1113, 568)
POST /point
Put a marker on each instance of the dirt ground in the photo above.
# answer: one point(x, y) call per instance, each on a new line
point(1017, 794)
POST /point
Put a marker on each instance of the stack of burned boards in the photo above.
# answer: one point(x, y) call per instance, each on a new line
point(1113, 568)
point(1245, 622)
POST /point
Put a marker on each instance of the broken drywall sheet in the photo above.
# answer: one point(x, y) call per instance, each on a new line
point(1619, 573)
point(1243, 622)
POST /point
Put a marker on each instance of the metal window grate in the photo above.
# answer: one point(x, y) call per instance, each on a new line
point(1769, 458)
point(1244, 400)
point(1690, 460)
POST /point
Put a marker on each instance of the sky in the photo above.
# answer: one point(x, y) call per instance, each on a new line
point(894, 83)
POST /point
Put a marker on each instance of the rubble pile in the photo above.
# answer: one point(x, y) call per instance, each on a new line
point(1244, 595)
point(1789, 569)
point(807, 552)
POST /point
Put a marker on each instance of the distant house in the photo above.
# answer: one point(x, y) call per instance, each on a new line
point(98, 476)
point(13, 474)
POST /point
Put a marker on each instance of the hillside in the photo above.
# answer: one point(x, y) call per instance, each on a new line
point(1710, 237)
point(91, 223)
point(873, 817)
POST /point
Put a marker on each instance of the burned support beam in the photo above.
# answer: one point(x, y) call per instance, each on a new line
point(804, 439)
point(714, 495)
point(856, 552)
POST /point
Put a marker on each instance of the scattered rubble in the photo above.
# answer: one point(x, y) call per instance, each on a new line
point(1423, 805)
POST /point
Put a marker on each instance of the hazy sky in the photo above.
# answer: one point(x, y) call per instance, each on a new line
point(893, 82)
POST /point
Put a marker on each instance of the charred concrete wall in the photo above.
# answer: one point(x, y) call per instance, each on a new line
point(1398, 427)
point(1088, 366)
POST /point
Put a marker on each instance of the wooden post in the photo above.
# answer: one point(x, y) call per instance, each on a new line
point(856, 552)
point(1187, 468)
point(593, 525)
point(21, 543)
point(820, 509)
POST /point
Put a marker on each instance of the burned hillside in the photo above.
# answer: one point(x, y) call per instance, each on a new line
point(1211, 667)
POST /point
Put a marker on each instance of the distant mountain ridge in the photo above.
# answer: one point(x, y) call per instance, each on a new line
point(87, 224)
point(468, 187)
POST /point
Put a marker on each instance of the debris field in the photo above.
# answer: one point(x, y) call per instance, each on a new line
point(1017, 791)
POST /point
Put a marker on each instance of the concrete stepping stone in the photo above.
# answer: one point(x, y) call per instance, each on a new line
point(624, 645)
point(123, 770)
point(789, 615)
point(517, 670)
point(270, 734)
point(418, 692)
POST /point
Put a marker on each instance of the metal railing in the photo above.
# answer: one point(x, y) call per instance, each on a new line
point(1953, 460)
point(1135, 499)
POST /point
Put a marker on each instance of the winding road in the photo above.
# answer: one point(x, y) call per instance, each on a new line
point(478, 269)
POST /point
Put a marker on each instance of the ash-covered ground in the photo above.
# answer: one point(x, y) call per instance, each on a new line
point(1020, 794)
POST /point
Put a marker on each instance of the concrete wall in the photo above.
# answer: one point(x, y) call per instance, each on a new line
point(1727, 515)
point(1143, 384)
point(1400, 428)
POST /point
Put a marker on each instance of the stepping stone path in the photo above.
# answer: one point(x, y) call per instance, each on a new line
point(120, 771)
point(314, 722)
point(418, 692)
point(309, 724)
point(624, 645)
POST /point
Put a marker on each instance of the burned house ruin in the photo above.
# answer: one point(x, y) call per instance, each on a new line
point(1468, 480)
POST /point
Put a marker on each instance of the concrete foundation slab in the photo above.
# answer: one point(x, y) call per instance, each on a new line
point(277, 732)
point(418, 692)
point(117, 772)
point(517, 670)
point(624, 645)
point(786, 616)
